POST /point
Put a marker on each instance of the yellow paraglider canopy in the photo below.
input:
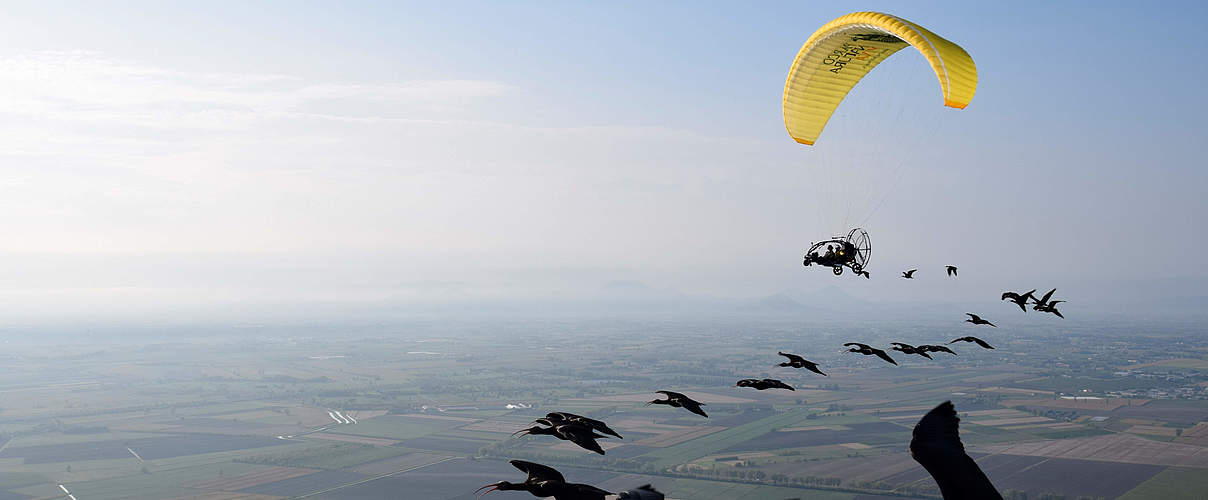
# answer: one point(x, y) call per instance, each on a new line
point(840, 53)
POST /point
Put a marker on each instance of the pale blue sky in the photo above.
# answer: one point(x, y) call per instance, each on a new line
point(160, 155)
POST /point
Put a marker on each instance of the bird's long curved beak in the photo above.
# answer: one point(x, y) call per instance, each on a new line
point(478, 492)
point(522, 432)
point(650, 403)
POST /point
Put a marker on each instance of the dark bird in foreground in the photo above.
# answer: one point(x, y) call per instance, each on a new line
point(951, 270)
point(677, 400)
point(767, 383)
point(935, 348)
point(1043, 300)
point(909, 274)
point(936, 446)
point(977, 320)
point(909, 349)
point(545, 481)
point(643, 492)
point(975, 340)
point(1020, 300)
point(1051, 308)
point(796, 361)
point(868, 350)
point(579, 434)
point(599, 426)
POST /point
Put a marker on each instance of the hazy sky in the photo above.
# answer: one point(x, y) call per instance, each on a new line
point(165, 158)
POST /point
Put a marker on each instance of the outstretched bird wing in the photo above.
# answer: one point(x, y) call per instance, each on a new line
point(862, 346)
point(937, 447)
point(673, 395)
point(1010, 295)
point(974, 317)
point(694, 407)
point(813, 367)
point(881, 354)
point(793, 358)
point(981, 342)
point(537, 472)
point(1045, 299)
point(778, 384)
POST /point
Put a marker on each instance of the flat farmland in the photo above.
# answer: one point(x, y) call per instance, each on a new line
point(147, 448)
point(1073, 477)
point(402, 462)
point(1105, 404)
point(309, 483)
point(347, 438)
point(254, 478)
point(1111, 447)
point(454, 445)
point(678, 436)
point(1174, 482)
point(870, 432)
point(400, 427)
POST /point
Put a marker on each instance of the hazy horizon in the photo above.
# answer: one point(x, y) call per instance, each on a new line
point(277, 156)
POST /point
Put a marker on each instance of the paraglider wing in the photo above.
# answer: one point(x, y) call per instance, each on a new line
point(840, 53)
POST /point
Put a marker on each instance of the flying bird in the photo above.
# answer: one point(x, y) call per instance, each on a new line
point(1042, 301)
point(544, 481)
point(977, 320)
point(579, 434)
point(936, 445)
point(1051, 307)
point(677, 400)
point(643, 492)
point(796, 361)
point(909, 274)
point(975, 340)
point(909, 349)
point(935, 348)
point(1020, 300)
point(868, 350)
point(951, 270)
point(599, 426)
point(767, 383)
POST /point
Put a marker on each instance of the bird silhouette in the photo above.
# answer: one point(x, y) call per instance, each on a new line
point(864, 274)
point(545, 481)
point(599, 426)
point(936, 445)
point(909, 274)
point(975, 340)
point(1044, 300)
point(796, 361)
point(977, 320)
point(951, 270)
point(677, 400)
point(935, 348)
point(767, 383)
point(909, 349)
point(868, 350)
point(1051, 308)
point(579, 434)
point(643, 492)
point(1020, 300)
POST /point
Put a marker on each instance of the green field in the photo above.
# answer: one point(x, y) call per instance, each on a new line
point(1174, 482)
